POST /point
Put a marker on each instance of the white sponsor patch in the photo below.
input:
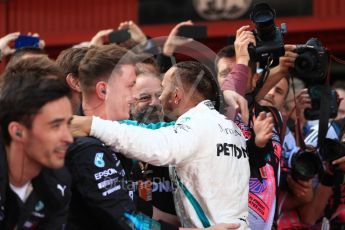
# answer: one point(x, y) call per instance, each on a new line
point(106, 183)
point(105, 173)
point(118, 187)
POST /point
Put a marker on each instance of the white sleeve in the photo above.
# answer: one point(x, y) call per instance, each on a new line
point(167, 145)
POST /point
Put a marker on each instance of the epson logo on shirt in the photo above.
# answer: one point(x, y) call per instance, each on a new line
point(105, 173)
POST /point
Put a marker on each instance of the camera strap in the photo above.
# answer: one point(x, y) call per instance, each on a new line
point(324, 114)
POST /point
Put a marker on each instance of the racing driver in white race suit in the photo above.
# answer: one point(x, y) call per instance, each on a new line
point(208, 151)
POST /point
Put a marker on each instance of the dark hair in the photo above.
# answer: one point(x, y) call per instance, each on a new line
point(19, 54)
point(195, 74)
point(225, 52)
point(69, 60)
point(27, 86)
point(146, 58)
point(100, 62)
point(229, 52)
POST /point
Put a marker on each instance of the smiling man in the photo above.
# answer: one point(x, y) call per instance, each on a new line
point(35, 116)
point(208, 151)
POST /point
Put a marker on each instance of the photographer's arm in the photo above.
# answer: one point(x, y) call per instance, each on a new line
point(166, 59)
point(235, 85)
point(277, 73)
point(98, 39)
point(238, 77)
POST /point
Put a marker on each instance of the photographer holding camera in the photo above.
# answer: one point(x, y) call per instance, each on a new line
point(311, 66)
point(264, 159)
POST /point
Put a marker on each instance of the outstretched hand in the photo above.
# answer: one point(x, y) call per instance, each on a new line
point(5, 43)
point(98, 39)
point(173, 40)
point(238, 103)
point(288, 60)
point(136, 33)
point(243, 38)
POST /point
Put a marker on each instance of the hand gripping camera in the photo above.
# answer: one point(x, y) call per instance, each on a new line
point(311, 66)
point(269, 37)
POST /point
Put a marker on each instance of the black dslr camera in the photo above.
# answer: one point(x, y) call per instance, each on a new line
point(312, 62)
point(332, 150)
point(311, 66)
point(315, 94)
point(269, 37)
point(305, 165)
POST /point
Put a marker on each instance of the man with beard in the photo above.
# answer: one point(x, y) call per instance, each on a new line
point(147, 109)
point(211, 171)
point(102, 192)
point(146, 91)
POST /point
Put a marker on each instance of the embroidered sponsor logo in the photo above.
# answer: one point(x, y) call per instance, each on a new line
point(184, 120)
point(178, 127)
point(209, 104)
point(61, 188)
point(109, 191)
point(131, 194)
point(37, 214)
point(39, 206)
point(99, 162)
point(229, 131)
point(105, 173)
point(231, 150)
point(107, 183)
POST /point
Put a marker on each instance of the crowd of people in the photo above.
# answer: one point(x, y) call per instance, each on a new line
point(126, 136)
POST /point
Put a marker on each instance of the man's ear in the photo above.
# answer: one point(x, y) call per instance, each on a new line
point(73, 82)
point(178, 95)
point(17, 131)
point(101, 89)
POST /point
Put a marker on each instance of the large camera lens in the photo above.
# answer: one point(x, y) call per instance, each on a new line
point(312, 62)
point(305, 166)
point(263, 17)
point(305, 63)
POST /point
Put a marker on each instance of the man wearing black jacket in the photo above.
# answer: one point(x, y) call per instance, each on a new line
point(35, 116)
point(102, 191)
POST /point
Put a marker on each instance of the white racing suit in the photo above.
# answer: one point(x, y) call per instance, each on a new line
point(210, 158)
